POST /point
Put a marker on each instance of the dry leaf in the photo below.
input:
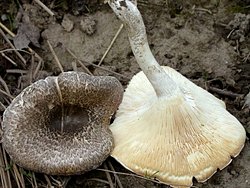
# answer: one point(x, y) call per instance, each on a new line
point(27, 32)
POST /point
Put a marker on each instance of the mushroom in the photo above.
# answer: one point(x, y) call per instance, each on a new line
point(60, 125)
point(167, 127)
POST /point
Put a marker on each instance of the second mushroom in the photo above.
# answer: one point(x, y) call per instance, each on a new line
point(59, 125)
point(167, 127)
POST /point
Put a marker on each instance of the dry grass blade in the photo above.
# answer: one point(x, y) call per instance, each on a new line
point(10, 50)
point(62, 182)
point(7, 167)
point(5, 178)
point(94, 65)
point(74, 66)
point(55, 56)
point(147, 3)
point(16, 71)
point(202, 10)
point(48, 180)
point(34, 180)
point(66, 181)
point(8, 59)
point(18, 176)
point(4, 107)
point(56, 182)
point(4, 85)
point(115, 175)
point(13, 47)
point(108, 176)
point(98, 180)
point(80, 63)
point(31, 70)
point(7, 30)
point(13, 35)
point(37, 69)
point(111, 44)
point(230, 33)
point(44, 7)
point(246, 58)
point(128, 174)
point(4, 171)
point(115, 73)
point(224, 92)
point(6, 94)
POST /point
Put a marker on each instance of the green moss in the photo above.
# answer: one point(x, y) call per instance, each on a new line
point(61, 4)
point(238, 9)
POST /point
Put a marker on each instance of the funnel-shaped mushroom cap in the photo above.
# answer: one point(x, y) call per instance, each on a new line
point(60, 125)
point(174, 139)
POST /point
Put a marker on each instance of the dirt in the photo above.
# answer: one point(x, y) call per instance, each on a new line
point(207, 41)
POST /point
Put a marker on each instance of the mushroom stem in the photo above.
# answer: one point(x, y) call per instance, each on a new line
point(127, 11)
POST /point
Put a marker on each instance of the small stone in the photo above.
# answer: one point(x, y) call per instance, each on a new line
point(247, 100)
point(67, 24)
point(88, 25)
point(248, 127)
point(233, 172)
point(240, 27)
point(4, 17)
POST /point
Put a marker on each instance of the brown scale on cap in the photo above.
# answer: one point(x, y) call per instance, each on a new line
point(59, 125)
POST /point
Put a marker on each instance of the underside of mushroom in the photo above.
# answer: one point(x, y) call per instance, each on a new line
point(59, 125)
point(167, 127)
point(176, 139)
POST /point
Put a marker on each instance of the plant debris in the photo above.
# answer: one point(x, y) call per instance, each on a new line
point(27, 33)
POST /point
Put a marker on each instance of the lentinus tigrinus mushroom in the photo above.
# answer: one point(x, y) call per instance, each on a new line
point(167, 127)
point(60, 125)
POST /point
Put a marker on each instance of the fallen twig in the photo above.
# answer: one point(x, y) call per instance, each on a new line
point(8, 58)
point(13, 47)
point(115, 175)
point(6, 94)
point(203, 9)
point(128, 174)
point(98, 180)
point(111, 44)
point(6, 167)
point(4, 107)
point(108, 176)
point(34, 180)
point(16, 71)
point(230, 33)
point(97, 66)
point(246, 58)
point(19, 176)
point(37, 69)
point(4, 85)
point(5, 178)
point(13, 35)
point(31, 70)
point(94, 65)
point(79, 61)
point(44, 7)
point(47, 180)
point(224, 92)
point(74, 66)
point(55, 56)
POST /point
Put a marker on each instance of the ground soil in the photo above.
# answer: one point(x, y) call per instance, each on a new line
point(207, 41)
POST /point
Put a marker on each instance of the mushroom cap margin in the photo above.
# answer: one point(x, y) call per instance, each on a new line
point(33, 146)
point(176, 139)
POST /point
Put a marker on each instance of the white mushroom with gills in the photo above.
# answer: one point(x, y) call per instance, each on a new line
point(166, 126)
point(60, 125)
